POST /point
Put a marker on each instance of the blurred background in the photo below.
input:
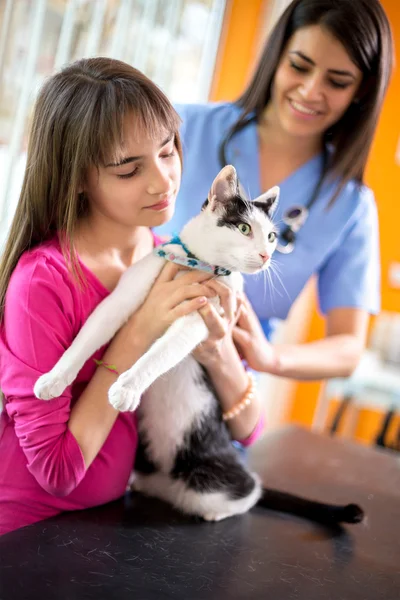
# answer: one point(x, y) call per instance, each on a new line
point(199, 50)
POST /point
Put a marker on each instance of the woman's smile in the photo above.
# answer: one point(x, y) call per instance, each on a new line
point(302, 111)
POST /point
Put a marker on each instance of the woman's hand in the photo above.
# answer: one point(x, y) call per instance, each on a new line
point(168, 300)
point(251, 342)
point(219, 355)
point(219, 323)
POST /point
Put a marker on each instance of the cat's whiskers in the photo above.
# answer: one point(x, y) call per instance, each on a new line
point(267, 275)
point(264, 274)
point(252, 263)
point(274, 267)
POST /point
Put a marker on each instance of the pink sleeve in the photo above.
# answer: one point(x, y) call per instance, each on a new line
point(255, 434)
point(38, 327)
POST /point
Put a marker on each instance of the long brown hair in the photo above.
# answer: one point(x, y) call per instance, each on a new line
point(363, 29)
point(77, 122)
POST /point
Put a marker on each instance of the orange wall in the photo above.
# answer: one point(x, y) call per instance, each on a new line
point(383, 175)
point(238, 47)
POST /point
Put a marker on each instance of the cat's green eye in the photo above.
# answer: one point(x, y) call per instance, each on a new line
point(272, 236)
point(244, 228)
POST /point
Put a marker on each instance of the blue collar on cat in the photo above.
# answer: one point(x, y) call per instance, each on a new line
point(190, 260)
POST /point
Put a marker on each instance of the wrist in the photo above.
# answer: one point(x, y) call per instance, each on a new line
point(274, 365)
point(124, 350)
point(244, 402)
point(224, 359)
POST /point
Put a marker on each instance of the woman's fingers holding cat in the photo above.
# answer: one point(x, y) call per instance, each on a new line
point(227, 298)
point(240, 306)
point(178, 292)
point(187, 292)
point(185, 308)
point(209, 351)
point(175, 282)
point(250, 340)
point(247, 317)
point(217, 326)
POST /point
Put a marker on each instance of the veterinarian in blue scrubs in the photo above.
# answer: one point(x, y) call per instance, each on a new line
point(306, 123)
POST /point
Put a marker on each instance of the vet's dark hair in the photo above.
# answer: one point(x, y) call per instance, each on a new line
point(363, 29)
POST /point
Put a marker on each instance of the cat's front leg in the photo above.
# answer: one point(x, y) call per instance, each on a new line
point(177, 343)
point(100, 327)
point(107, 318)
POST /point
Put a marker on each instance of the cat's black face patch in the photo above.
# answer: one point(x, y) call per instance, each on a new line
point(205, 204)
point(236, 211)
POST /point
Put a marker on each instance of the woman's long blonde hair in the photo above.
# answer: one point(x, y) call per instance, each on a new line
point(77, 122)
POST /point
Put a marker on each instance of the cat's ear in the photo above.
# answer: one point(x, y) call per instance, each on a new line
point(224, 186)
point(268, 201)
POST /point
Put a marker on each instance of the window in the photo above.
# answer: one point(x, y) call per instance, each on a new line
point(174, 42)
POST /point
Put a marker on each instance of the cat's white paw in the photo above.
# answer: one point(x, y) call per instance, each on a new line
point(123, 396)
point(52, 384)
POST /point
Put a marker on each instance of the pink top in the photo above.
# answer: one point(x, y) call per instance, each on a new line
point(42, 471)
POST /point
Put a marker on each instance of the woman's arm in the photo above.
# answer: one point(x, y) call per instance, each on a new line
point(92, 417)
point(337, 355)
point(231, 381)
point(220, 358)
point(61, 438)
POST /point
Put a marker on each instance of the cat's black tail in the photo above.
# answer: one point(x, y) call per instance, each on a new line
point(326, 514)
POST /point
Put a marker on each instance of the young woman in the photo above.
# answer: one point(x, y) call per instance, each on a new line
point(103, 168)
point(305, 122)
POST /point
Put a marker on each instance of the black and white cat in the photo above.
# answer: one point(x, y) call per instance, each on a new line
point(185, 455)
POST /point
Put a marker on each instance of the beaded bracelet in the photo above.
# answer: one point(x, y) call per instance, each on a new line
point(245, 401)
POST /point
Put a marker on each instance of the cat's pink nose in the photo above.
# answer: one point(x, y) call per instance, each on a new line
point(264, 257)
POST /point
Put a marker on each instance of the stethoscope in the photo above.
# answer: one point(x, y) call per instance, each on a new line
point(294, 217)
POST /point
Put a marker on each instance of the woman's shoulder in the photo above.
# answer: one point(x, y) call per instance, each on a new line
point(361, 198)
point(355, 202)
point(219, 115)
point(207, 109)
point(360, 192)
point(46, 257)
point(40, 270)
point(41, 293)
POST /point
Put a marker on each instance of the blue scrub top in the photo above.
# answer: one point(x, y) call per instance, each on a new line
point(339, 244)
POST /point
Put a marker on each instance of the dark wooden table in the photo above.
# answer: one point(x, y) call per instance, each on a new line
point(140, 549)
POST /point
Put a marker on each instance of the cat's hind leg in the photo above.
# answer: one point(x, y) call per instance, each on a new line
point(211, 506)
point(218, 485)
point(221, 506)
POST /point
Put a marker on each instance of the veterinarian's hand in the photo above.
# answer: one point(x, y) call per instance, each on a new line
point(251, 342)
point(219, 323)
point(169, 299)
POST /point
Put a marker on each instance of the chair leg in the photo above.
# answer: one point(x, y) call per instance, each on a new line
point(340, 413)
